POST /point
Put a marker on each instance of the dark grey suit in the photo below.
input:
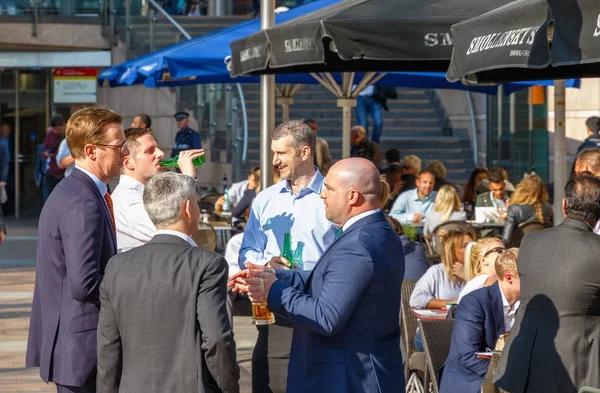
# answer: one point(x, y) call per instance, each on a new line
point(75, 241)
point(554, 345)
point(163, 321)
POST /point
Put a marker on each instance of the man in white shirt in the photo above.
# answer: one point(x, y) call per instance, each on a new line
point(134, 227)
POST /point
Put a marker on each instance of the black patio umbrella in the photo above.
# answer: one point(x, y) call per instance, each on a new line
point(359, 35)
point(529, 40)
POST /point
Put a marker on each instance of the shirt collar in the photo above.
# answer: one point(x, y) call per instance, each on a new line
point(99, 183)
point(357, 217)
point(427, 199)
point(130, 182)
point(180, 235)
point(315, 185)
point(505, 303)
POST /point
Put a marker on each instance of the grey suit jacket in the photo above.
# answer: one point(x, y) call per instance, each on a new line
point(554, 345)
point(163, 322)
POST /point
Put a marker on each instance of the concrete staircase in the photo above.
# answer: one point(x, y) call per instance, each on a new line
point(416, 124)
point(165, 34)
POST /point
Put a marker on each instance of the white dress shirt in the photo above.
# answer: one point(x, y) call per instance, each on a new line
point(134, 227)
point(180, 235)
point(357, 217)
point(509, 312)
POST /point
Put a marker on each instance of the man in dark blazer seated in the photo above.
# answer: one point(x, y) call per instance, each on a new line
point(163, 321)
point(554, 346)
point(76, 238)
point(344, 312)
point(481, 317)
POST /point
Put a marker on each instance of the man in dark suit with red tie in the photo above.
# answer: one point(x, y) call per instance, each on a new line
point(76, 238)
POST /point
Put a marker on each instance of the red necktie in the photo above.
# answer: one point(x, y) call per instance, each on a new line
point(109, 202)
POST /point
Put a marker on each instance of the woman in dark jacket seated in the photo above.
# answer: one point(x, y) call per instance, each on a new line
point(529, 203)
point(415, 260)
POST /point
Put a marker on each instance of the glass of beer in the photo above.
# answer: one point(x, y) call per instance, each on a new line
point(260, 312)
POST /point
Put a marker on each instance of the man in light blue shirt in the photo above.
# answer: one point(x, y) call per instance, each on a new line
point(414, 205)
point(293, 206)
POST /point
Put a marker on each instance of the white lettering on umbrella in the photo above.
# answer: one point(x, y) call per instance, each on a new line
point(438, 39)
point(597, 30)
point(524, 36)
point(250, 53)
point(299, 44)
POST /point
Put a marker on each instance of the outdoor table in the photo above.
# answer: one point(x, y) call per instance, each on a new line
point(435, 314)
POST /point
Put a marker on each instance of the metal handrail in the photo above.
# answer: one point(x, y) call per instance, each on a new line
point(170, 19)
point(184, 33)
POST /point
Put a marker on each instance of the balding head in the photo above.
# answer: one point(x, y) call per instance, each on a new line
point(357, 135)
point(352, 186)
point(588, 160)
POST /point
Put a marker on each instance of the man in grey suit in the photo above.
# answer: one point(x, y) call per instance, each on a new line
point(554, 346)
point(163, 322)
point(76, 238)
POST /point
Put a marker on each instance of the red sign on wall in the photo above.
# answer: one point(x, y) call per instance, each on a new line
point(75, 72)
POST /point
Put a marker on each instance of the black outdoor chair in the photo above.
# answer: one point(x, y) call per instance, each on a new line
point(438, 232)
point(525, 228)
point(436, 336)
point(414, 361)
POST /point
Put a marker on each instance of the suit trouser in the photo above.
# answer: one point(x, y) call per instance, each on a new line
point(271, 356)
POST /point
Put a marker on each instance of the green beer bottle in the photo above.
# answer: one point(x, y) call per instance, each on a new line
point(287, 248)
point(172, 162)
point(298, 262)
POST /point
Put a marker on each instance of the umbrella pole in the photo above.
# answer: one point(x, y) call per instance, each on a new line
point(346, 104)
point(500, 115)
point(560, 149)
point(267, 103)
point(285, 103)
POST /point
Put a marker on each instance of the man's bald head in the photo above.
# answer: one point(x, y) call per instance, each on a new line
point(352, 186)
point(359, 174)
point(357, 135)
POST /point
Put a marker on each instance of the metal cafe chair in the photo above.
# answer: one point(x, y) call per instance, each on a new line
point(437, 336)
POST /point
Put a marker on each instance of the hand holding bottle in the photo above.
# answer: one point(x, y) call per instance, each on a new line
point(186, 161)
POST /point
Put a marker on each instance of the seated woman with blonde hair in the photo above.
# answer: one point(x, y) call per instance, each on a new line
point(446, 208)
point(442, 283)
point(480, 270)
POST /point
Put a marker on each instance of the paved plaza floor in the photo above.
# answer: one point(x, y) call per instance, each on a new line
point(17, 277)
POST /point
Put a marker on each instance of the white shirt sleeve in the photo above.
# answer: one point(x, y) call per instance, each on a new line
point(134, 226)
point(232, 253)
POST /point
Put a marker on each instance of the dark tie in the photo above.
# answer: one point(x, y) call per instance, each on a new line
point(109, 203)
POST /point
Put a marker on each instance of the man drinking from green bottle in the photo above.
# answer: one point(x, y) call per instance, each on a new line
point(133, 224)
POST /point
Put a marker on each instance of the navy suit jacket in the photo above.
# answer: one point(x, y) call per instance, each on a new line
point(75, 241)
point(345, 313)
point(478, 324)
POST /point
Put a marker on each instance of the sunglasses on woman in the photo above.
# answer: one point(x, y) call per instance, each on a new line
point(499, 250)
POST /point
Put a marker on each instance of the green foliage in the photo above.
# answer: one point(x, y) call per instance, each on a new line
point(410, 231)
